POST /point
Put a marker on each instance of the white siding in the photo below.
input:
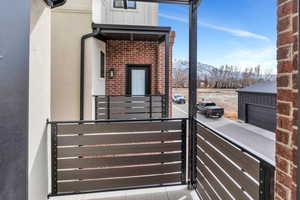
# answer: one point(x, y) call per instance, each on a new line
point(94, 85)
point(144, 14)
point(39, 100)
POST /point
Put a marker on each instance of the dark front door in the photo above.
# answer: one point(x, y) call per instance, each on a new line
point(261, 116)
point(138, 80)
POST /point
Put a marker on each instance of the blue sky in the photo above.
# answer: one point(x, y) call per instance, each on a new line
point(241, 33)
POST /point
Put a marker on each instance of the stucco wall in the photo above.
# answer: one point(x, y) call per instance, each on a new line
point(94, 85)
point(39, 100)
point(68, 23)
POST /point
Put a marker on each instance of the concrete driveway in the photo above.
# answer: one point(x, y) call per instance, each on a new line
point(256, 140)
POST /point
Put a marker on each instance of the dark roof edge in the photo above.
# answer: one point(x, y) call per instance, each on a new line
point(165, 29)
point(256, 92)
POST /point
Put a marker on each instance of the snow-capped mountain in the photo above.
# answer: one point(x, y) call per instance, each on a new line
point(202, 69)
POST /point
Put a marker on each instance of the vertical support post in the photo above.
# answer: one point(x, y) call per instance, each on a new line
point(167, 71)
point(150, 106)
point(266, 181)
point(183, 152)
point(108, 107)
point(54, 158)
point(96, 107)
point(192, 89)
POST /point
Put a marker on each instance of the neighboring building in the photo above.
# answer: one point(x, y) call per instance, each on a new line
point(257, 105)
point(68, 24)
point(129, 47)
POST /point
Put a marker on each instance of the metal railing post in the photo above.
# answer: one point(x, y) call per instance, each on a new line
point(108, 107)
point(192, 89)
point(163, 110)
point(96, 107)
point(183, 153)
point(54, 158)
point(150, 106)
point(266, 181)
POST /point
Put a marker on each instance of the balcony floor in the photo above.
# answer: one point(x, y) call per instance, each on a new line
point(163, 193)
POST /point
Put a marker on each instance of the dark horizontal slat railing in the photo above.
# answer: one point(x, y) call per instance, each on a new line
point(107, 184)
point(225, 171)
point(89, 156)
point(130, 107)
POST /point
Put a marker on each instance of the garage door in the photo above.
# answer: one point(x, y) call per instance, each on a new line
point(263, 117)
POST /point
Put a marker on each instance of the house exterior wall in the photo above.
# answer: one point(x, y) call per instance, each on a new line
point(68, 24)
point(39, 100)
point(120, 53)
point(65, 37)
point(144, 14)
point(94, 84)
point(123, 52)
point(287, 106)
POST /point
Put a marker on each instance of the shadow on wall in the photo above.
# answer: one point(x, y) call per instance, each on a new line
point(38, 174)
point(37, 9)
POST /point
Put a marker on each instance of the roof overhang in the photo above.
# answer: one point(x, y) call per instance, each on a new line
point(184, 2)
point(57, 3)
point(131, 32)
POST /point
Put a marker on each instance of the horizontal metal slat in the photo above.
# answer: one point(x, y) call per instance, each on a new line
point(221, 191)
point(130, 110)
point(117, 183)
point(157, 109)
point(130, 116)
point(230, 185)
point(207, 187)
point(132, 98)
point(238, 175)
point(128, 104)
point(201, 192)
point(117, 161)
point(117, 149)
point(101, 117)
point(116, 127)
point(157, 98)
point(118, 172)
point(101, 111)
point(117, 138)
point(242, 159)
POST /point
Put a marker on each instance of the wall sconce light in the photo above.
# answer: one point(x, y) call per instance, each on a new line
point(111, 73)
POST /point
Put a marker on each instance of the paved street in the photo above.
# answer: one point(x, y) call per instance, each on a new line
point(256, 140)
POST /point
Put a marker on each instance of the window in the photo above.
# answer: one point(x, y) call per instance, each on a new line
point(102, 64)
point(120, 4)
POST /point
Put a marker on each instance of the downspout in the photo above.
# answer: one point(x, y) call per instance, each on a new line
point(82, 60)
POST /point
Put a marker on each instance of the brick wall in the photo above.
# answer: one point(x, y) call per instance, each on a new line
point(120, 53)
point(286, 100)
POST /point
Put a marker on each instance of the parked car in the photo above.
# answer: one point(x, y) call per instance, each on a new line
point(210, 109)
point(178, 98)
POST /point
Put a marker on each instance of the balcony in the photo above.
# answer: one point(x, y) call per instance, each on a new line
point(152, 159)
